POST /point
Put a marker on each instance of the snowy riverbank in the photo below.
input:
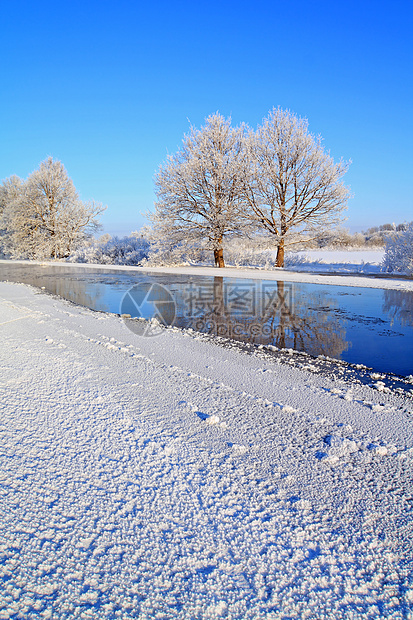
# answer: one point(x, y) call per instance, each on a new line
point(170, 477)
point(330, 276)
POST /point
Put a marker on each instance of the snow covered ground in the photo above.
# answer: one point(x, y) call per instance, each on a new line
point(341, 261)
point(173, 477)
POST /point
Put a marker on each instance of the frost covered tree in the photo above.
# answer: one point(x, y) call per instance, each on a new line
point(10, 191)
point(45, 217)
point(293, 186)
point(199, 197)
point(398, 255)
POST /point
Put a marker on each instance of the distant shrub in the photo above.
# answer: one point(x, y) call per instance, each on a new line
point(132, 250)
point(250, 253)
point(163, 254)
point(341, 238)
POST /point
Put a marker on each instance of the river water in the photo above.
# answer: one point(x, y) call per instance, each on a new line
point(373, 327)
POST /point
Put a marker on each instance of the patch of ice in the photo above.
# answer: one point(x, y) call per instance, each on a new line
point(381, 450)
point(212, 419)
point(217, 611)
point(239, 448)
point(84, 543)
point(337, 448)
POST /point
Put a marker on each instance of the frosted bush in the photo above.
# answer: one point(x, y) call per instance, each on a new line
point(292, 259)
point(398, 257)
point(165, 254)
point(247, 253)
point(238, 253)
point(132, 250)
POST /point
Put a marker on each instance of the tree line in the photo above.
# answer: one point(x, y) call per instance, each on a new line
point(277, 181)
point(233, 181)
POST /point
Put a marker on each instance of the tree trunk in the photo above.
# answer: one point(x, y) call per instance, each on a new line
point(219, 258)
point(218, 305)
point(280, 254)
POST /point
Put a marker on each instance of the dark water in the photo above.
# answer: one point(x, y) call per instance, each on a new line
point(366, 326)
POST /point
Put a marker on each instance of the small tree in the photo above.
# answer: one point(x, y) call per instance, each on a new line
point(10, 193)
point(45, 216)
point(199, 188)
point(398, 255)
point(293, 185)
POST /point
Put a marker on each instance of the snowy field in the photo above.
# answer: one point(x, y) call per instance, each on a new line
point(170, 477)
point(340, 261)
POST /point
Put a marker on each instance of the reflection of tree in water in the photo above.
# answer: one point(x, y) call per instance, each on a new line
point(288, 320)
point(66, 284)
point(81, 292)
point(398, 305)
point(306, 323)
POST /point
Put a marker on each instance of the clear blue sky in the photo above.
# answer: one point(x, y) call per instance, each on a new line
point(108, 88)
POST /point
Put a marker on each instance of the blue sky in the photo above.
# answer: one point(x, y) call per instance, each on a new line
point(109, 87)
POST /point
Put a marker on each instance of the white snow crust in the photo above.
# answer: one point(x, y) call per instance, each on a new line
point(349, 257)
point(348, 261)
point(171, 477)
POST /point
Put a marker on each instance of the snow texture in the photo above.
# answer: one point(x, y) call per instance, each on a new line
point(171, 477)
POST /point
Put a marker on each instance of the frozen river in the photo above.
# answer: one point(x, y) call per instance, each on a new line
point(368, 326)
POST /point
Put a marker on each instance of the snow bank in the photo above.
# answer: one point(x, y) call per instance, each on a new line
point(170, 477)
